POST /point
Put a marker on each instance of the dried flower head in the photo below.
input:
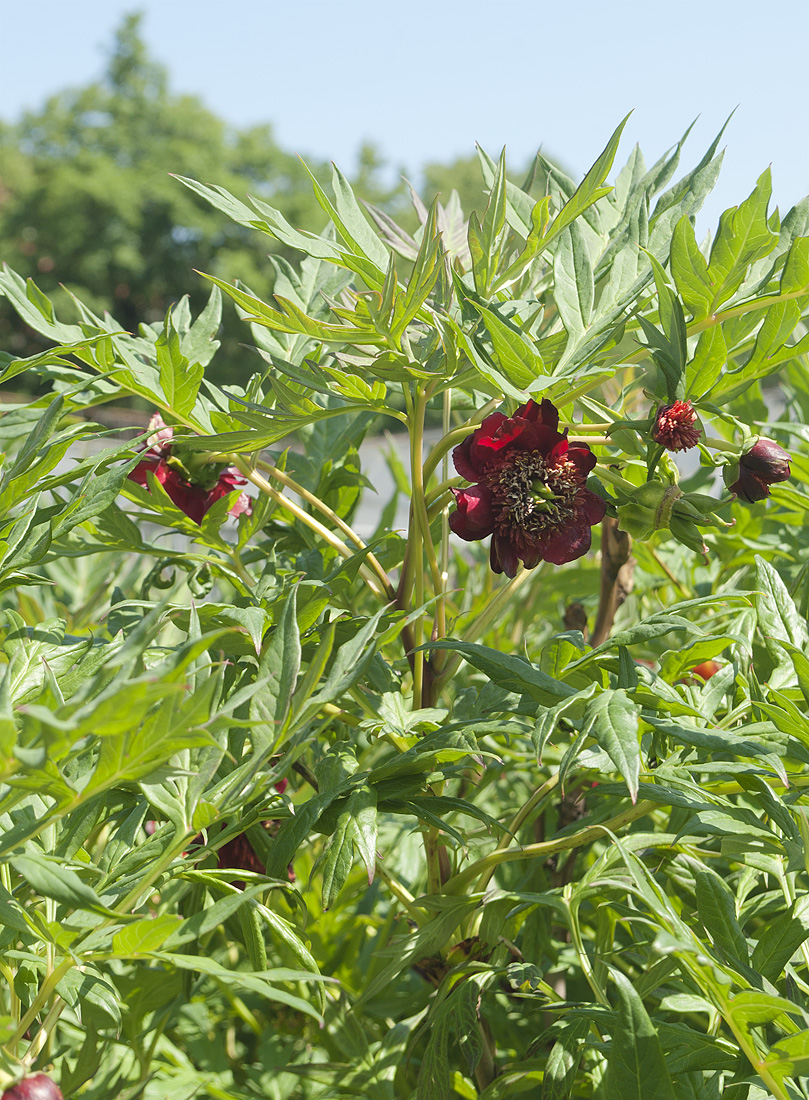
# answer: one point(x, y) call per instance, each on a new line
point(674, 426)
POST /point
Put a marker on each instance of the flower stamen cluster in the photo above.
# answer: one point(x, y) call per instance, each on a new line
point(674, 426)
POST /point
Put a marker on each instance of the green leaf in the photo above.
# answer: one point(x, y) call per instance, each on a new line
point(517, 355)
point(612, 719)
point(669, 348)
point(573, 283)
point(705, 368)
point(590, 190)
point(789, 1057)
point(690, 270)
point(717, 911)
point(143, 936)
point(261, 983)
point(278, 674)
point(781, 939)
point(179, 379)
point(636, 1067)
point(742, 237)
point(778, 618)
point(52, 879)
point(510, 672)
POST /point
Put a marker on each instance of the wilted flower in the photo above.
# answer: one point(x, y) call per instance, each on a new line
point(530, 490)
point(674, 426)
point(195, 493)
point(763, 465)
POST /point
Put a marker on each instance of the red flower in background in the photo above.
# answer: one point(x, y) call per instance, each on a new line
point(706, 670)
point(530, 490)
point(674, 426)
point(190, 496)
point(763, 465)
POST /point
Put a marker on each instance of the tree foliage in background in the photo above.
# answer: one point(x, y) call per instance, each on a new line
point(86, 199)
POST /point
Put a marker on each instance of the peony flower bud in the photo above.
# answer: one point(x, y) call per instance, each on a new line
point(38, 1087)
point(762, 466)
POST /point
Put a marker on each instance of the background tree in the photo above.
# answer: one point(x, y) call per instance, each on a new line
point(87, 202)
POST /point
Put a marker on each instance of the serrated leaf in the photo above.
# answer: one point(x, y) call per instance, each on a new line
point(742, 237)
point(612, 718)
point(689, 269)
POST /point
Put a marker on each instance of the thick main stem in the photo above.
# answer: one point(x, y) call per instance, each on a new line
point(617, 567)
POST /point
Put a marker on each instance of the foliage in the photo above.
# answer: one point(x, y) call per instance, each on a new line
point(85, 195)
point(521, 847)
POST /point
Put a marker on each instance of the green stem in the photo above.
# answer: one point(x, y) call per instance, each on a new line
point(314, 525)
point(414, 552)
point(457, 435)
point(338, 521)
point(539, 796)
point(44, 1033)
point(545, 848)
point(46, 991)
point(697, 327)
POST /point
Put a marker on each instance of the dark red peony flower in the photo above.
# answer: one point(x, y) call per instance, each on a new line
point(38, 1087)
point(674, 426)
point(194, 497)
point(763, 465)
point(530, 490)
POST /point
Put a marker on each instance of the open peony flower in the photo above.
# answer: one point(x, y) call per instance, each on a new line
point(762, 466)
point(195, 493)
point(529, 490)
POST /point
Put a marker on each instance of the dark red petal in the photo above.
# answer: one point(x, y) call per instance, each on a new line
point(144, 467)
point(191, 499)
point(532, 555)
point(592, 505)
point(543, 413)
point(568, 543)
point(540, 437)
point(473, 518)
point(462, 458)
point(469, 462)
point(750, 487)
point(486, 443)
point(503, 557)
point(529, 411)
point(581, 456)
point(767, 460)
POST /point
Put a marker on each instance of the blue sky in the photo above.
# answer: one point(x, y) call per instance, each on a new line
point(426, 79)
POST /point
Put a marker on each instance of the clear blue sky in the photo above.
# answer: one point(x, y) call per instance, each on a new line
point(426, 79)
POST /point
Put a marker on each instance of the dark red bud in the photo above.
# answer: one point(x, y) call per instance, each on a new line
point(39, 1087)
point(281, 785)
point(762, 466)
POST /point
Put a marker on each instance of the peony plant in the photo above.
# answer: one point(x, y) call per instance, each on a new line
point(298, 803)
